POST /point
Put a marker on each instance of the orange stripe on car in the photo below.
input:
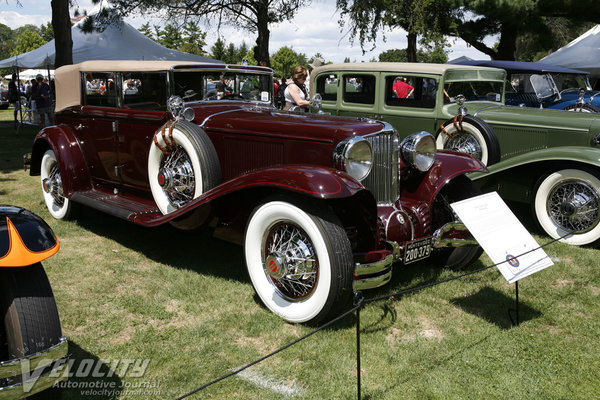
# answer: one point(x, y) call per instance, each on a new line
point(18, 254)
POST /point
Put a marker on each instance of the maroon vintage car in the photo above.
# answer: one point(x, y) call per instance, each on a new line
point(322, 205)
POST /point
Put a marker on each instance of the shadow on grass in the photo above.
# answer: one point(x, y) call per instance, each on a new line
point(193, 250)
point(89, 377)
point(493, 306)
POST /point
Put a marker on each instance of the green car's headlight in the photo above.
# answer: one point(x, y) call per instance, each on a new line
point(355, 156)
point(419, 150)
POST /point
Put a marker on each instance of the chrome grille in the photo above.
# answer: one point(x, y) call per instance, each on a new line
point(383, 179)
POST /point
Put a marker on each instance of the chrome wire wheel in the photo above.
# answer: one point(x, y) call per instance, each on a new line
point(465, 143)
point(574, 206)
point(177, 178)
point(53, 186)
point(567, 206)
point(290, 261)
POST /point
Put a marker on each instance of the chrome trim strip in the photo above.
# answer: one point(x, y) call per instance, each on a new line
point(372, 283)
point(440, 238)
point(382, 267)
point(36, 383)
point(12, 368)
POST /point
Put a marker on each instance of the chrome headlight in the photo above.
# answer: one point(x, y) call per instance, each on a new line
point(419, 150)
point(355, 156)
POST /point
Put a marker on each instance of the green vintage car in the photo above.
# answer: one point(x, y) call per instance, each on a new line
point(547, 158)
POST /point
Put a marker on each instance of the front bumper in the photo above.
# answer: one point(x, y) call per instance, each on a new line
point(29, 375)
point(369, 273)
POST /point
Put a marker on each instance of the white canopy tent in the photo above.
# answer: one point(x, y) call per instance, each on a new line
point(119, 41)
point(582, 53)
point(29, 74)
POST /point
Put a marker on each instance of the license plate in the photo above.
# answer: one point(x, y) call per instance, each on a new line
point(417, 250)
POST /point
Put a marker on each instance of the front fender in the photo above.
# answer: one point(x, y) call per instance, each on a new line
point(447, 165)
point(308, 180)
point(71, 163)
point(25, 238)
point(580, 154)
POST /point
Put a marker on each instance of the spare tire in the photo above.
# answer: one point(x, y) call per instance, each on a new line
point(182, 165)
point(470, 135)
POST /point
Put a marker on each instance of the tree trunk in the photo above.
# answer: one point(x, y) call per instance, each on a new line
point(411, 49)
point(261, 52)
point(61, 23)
point(508, 43)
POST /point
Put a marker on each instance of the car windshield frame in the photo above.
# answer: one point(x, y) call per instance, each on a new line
point(198, 85)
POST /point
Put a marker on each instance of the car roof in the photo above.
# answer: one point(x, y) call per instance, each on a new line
point(520, 66)
point(67, 78)
point(430, 68)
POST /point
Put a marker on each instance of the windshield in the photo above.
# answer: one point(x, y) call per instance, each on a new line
point(571, 81)
point(222, 85)
point(473, 91)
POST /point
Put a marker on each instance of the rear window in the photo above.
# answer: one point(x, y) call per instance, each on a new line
point(100, 89)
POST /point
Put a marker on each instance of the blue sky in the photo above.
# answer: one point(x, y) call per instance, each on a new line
point(314, 29)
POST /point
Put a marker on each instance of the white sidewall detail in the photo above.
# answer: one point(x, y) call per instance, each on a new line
point(469, 128)
point(541, 197)
point(155, 156)
point(261, 220)
point(56, 210)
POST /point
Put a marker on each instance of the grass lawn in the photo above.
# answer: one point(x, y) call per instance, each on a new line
point(183, 302)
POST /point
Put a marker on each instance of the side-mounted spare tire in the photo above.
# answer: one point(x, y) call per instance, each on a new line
point(182, 165)
point(470, 135)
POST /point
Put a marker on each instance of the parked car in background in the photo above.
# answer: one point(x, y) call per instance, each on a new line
point(535, 84)
point(4, 99)
point(322, 205)
point(547, 158)
point(32, 348)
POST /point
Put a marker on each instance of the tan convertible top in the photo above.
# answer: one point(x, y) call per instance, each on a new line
point(68, 82)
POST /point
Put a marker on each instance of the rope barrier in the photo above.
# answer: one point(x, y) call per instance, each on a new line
point(358, 302)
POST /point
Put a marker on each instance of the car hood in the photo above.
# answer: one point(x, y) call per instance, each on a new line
point(268, 121)
point(535, 117)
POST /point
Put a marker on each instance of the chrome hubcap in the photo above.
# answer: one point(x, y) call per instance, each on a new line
point(176, 177)
point(464, 143)
point(290, 261)
point(574, 206)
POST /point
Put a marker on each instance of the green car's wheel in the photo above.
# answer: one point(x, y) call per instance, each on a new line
point(568, 201)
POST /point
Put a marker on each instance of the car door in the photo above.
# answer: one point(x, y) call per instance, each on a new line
point(93, 124)
point(407, 101)
point(144, 111)
point(359, 94)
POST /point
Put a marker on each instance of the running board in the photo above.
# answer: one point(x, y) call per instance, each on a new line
point(115, 205)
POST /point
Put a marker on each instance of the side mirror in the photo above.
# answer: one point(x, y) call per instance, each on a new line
point(316, 104)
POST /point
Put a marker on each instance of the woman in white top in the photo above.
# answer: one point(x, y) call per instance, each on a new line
point(295, 93)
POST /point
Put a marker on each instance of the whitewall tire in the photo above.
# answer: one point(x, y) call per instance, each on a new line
point(58, 205)
point(300, 264)
point(182, 167)
point(569, 201)
point(473, 136)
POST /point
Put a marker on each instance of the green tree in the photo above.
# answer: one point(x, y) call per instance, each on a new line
point(475, 20)
point(47, 32)
point(147, 31)
point(218, 51)
point(284, 61)
point(422, 18)
point(170, 37)
point(27, 41)
point(7, 43)
point(194, 39)
point(254, 16)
